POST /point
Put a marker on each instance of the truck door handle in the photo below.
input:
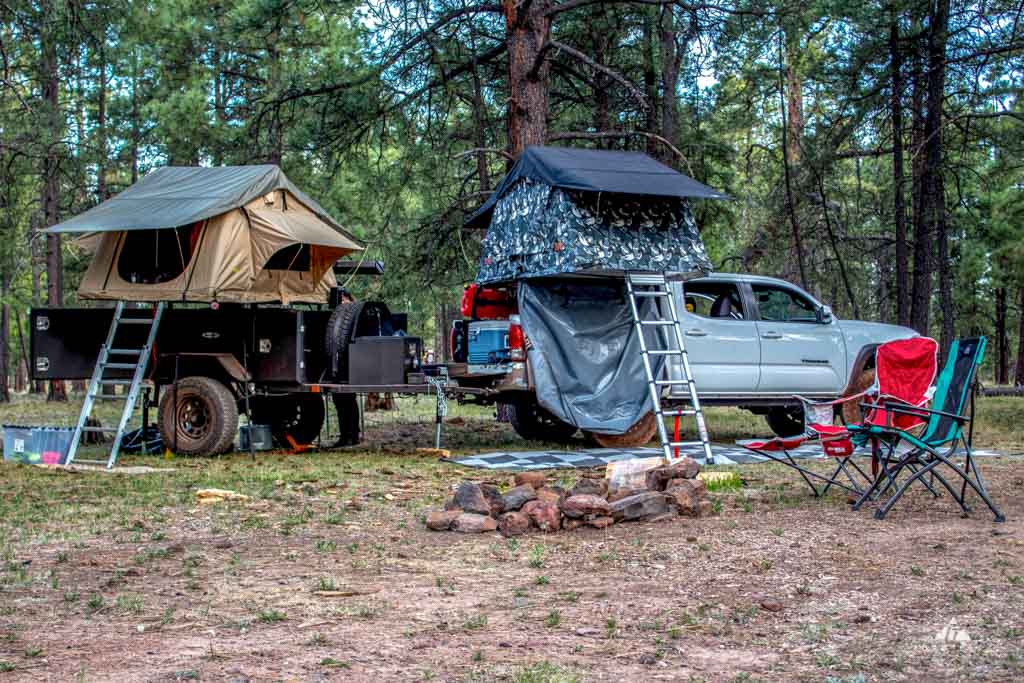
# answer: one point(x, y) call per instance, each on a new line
point(696, 333)
point(771, 335)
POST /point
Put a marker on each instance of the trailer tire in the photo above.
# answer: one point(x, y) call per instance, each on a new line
point(198, 416)
point(532, 422)
point(347, 322)
point(640, 434)
point(300, 416)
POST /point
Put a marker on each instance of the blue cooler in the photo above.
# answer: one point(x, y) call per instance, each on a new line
point(488, 342)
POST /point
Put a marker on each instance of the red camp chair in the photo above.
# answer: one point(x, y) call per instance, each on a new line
point(904, 372)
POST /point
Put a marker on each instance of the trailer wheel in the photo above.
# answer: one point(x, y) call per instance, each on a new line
point(532, 422)
point(348, 321)
point(300, 416)
point(640, 434)
point(198, 416)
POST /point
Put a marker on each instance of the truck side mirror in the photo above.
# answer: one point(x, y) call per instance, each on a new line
point(824, 315)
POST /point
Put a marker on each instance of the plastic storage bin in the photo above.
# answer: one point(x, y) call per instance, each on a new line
point(37, 445)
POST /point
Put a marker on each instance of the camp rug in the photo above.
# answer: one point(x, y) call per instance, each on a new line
point(725, 454)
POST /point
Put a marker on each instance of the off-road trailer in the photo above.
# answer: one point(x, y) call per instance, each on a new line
point(209, 364)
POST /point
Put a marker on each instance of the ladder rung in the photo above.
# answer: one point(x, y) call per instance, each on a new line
point(670, 382)
point(111, 397)
point(646, 279)
point(676, 412)
point(126, 352)
point(121, 366)
point(120, 382)
point(680, 444)
point(135, 321)
point(651, 294)
point(99, 429)
point(661, 323)
point(79, 461)
point(665, 352)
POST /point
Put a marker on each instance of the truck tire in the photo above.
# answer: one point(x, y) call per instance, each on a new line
point(300, 416)
point(347, 322)
point(851, 409)
point(198, 416)
point(785, 422)
point(533, 423)
point(640, 434)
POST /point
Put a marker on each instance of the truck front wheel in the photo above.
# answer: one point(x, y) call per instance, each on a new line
point(198, 416)
point(532, 422)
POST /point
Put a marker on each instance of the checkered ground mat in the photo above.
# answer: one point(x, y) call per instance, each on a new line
point(598, 457)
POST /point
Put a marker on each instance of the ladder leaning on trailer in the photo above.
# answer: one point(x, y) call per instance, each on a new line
point(654, 286)
point(134, 359)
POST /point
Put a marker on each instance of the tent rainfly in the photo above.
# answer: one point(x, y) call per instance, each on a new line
point(241, 234)
point(596, 212)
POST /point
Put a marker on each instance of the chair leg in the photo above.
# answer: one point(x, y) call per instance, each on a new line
point(978, 487)
point(832, 479)
point(881, 512)
point(928, 469)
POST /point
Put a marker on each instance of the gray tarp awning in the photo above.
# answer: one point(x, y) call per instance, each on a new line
point(173, 196)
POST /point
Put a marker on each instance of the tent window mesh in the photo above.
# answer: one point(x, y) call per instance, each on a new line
point(293, 257)
point(150, 257)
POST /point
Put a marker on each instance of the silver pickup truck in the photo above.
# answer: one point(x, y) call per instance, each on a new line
point(753, 342)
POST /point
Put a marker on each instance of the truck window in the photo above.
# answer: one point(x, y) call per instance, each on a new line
point(779, 304)
point(713, 300)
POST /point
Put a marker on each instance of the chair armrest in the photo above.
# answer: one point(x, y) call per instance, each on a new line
point(907, 409)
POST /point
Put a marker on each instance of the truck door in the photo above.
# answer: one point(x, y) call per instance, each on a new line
point(720, 337)
point(799, 353)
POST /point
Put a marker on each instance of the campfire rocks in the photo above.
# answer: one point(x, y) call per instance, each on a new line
point(671, 490)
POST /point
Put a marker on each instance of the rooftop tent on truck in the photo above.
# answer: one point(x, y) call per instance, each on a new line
point(241, 234)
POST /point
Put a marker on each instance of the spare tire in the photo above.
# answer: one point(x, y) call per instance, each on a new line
point(198, 416)
point(300, 416)
point(348, 321)
point(640, 434)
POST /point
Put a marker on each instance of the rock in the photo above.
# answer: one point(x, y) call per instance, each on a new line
point(687, 495)
point(588, 632)
point(671, 514)
point(684, 468)
point(516, 497)
point(583, 505)
point(514, 523)
point(705, 508)
point(570, 524)
point(551, 494)
point(647, 659)
point(469, 497)
point(471, 523)
point(620, 493)
point(589, 486)
point(535, 479)
point(493, 496)
point(641, 506)
point(771, 605)
point(222, 543)
point(600, 522)
point(441, 520)
point(545, 515)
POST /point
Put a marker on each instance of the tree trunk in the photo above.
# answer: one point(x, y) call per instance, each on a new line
point(921, 281)
point(101, 126)
point(1018, 375)
point(1002, 339)
point(669, 82)
point(480, 132)
point(528, 29)
point(650, 84)
point(5, 338)
point(788, 131)
point(135, 116)
point(51, 120)
point(902, 284)
point(794, 100)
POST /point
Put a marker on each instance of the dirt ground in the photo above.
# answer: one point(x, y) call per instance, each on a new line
point(327, 573)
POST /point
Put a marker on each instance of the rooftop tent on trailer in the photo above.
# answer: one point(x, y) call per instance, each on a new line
point(564, 211)
point(242, 234)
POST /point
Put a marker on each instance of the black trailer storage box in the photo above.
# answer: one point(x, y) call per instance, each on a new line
point(383, 360)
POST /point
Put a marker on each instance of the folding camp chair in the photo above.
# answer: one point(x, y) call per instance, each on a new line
point(943, 438)
point(904, 372)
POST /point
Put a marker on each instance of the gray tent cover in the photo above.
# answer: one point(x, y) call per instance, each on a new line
point(584, 357)
point(172, 196)
point(566, 211)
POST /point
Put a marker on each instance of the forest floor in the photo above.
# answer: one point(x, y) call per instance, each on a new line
point(328, 573)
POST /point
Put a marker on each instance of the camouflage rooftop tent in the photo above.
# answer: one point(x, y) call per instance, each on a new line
point(580, 211)
point(235, 234)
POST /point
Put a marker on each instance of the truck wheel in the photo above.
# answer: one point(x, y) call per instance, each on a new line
point(347, 322)
point(532, 422)
point(785, 422)
point(198, 416)
point(851, 410)
point(300, 416)
point(640, 434)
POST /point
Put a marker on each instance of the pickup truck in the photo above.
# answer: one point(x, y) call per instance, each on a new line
point(753, 342)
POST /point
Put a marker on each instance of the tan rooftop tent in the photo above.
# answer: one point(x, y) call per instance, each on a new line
point(234, 234)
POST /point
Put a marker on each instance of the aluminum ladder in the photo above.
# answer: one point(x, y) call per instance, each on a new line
point(641, 286)
point(136, 359)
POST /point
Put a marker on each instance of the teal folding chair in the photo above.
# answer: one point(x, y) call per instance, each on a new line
point(943, 439)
